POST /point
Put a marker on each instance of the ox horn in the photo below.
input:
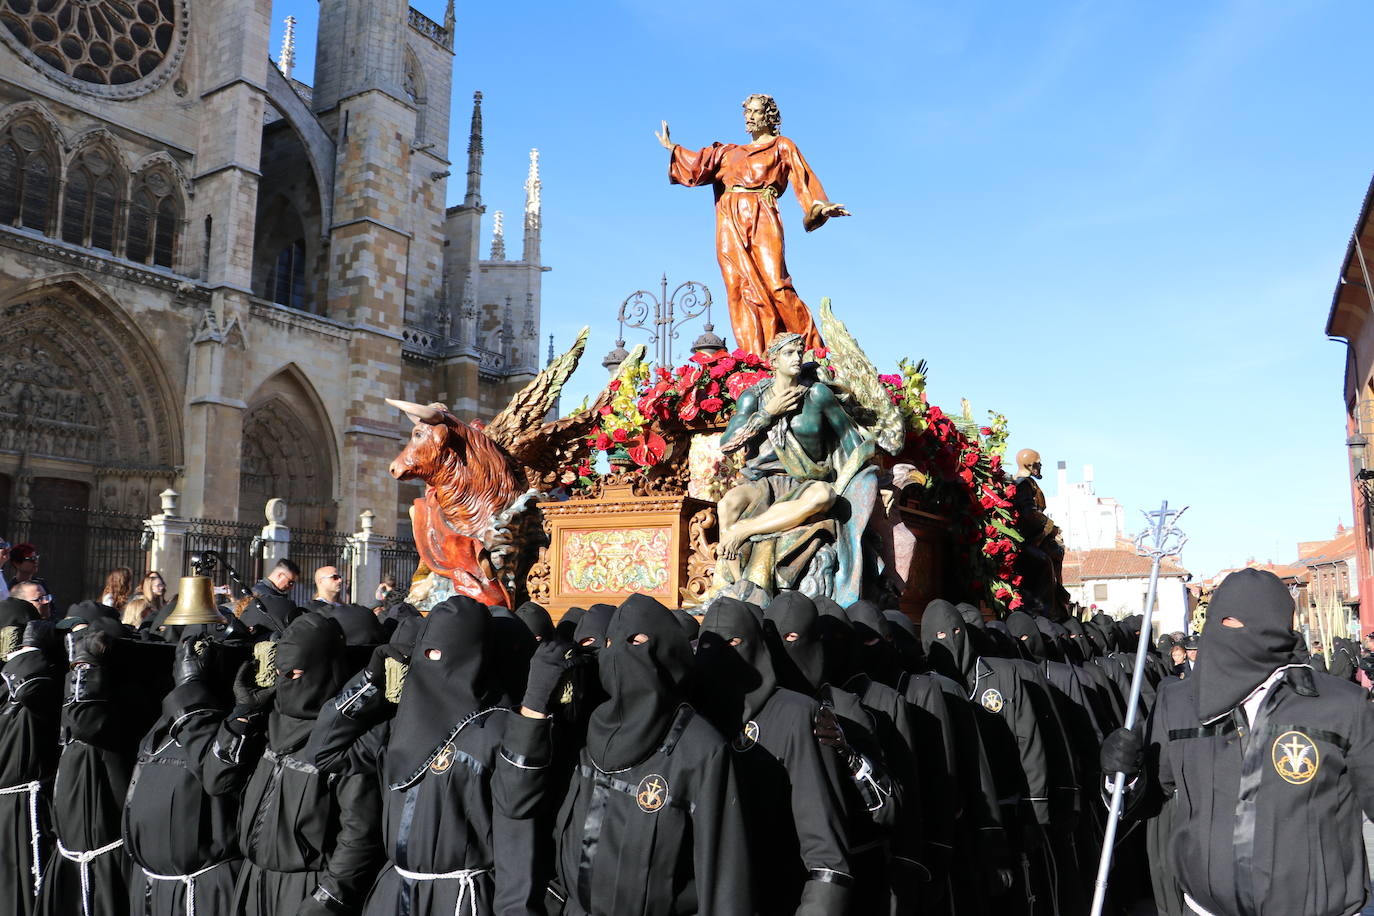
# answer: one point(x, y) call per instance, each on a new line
point(418, 412)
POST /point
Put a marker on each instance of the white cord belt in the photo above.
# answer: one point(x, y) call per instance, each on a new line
point(31, 789)
point(467, 883)
point(188, 880)
point(84, 859)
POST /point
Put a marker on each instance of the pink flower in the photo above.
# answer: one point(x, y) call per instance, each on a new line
point(822, 352)
point(605, 410)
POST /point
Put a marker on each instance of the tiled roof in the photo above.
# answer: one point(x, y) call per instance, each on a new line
point(1082, 565)
point(1341, 547)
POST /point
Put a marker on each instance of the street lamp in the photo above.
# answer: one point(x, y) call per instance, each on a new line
point(661, 315)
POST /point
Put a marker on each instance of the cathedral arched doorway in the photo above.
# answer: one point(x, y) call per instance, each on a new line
point(289, 452)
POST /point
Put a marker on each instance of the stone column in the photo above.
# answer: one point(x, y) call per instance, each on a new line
point(169, 539)
point(366, 572)
point(276, 536)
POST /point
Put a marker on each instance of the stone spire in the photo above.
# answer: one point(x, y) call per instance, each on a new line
point(498, 236)
point(473, 198)
point(533, 189)
point(449, 25)
point(287, 61)
point(550, 362)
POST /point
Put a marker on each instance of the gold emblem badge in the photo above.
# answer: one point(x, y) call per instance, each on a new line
point(746, 738)
point(992, 700)
point(652, 793)
point(443, 760)
point(1295, 757)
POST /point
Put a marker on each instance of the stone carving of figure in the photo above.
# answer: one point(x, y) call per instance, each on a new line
point(747, 180)
point(1041, 558)
point(809, 485)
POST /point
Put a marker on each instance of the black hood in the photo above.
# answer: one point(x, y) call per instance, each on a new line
point(272, 613)
point(999, 642)
point(314, 644)
point(690, 625)
point(944, 636)
point(732, 682)
point(800, 664)
point(537, 619)
point(906, 639)
point(16, 612)
point(567, 624)
point(439, 692)
point(1023, 629)
point(510, 644)
point(1055, 639)
point(593, 625)
point(1081, 639)
point(1111, 634)
point(877, 654)
point(359, 625)
point(644, 684)
point(1239, 659)
point(839, 644)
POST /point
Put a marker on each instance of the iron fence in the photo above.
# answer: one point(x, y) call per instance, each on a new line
point(77, 548)
point(313, 549)
point(239, 543)
point(399, 559)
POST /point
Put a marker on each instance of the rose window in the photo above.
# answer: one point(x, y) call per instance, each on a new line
point(96, 43)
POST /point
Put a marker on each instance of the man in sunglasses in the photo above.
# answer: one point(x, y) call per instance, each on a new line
point(328, 589)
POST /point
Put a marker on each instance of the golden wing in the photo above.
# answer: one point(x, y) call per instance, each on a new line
point(529, 407)
point(859, 377)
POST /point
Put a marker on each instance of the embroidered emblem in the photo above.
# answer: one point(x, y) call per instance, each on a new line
point(1295, 757)
point(746, 738)
point(992, 700)
point(652, 793)
point(443, 760)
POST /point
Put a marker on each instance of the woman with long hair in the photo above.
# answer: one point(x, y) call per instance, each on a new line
point(154, 588)
point(137, 611)
point(119, 585)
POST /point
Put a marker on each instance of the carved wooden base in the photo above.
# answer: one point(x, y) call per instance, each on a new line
point(605, 549)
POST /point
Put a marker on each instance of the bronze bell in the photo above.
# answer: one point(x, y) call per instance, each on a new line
point(195, 603)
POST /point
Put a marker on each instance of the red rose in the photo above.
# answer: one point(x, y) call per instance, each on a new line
point(1001, 594)
point(738, 383)
point(712, 405)
point(985, 430)
point(713, 389)
point(603, 442)
point(935, 414)
point(1015, 602)
point(584, 470)
point(740, 354)
point(822, 352)
point(614, 385)
point(970, 459)
point(966, 476)
point(605, 410)
point(620, 435)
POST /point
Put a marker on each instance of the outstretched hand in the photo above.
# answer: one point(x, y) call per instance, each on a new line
point(833, 210)
point(664, 139)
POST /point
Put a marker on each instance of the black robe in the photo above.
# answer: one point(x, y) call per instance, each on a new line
point(30, 708)
point(92, 872)
point(183, 840)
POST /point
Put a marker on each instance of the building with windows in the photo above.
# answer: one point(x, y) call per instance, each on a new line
point(1087, 521)
point(1117, 580)
point(212, 273)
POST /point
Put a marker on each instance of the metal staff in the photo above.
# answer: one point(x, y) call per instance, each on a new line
point(1168, 541)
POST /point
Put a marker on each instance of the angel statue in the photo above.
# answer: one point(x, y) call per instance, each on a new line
point(747, 179)
point(810, 485)
point(482, 482)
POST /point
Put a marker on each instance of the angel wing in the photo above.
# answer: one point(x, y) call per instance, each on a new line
point(854, 371)
point(530, 405)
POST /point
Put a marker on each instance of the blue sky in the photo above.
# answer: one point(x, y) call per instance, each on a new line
point(1120, 223)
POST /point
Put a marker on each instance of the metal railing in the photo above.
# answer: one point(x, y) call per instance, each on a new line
point(238, 542)
point(313, 549)
point(400, 559)
point(77, 548)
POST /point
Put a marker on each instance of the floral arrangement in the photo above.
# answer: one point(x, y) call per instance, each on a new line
point(957, 462)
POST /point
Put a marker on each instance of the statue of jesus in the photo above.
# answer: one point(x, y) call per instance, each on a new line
point(747, 180)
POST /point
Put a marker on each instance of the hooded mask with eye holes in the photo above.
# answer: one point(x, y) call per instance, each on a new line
point(314, 645)
point(877, 654)
point(1023, 629)
point(734, 671)
point(800, 664)
point(944, 636)
point(1240, 658)
point(644, 682)
point(593, 625)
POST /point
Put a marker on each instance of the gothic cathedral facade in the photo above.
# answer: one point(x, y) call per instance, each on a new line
point(211, 273)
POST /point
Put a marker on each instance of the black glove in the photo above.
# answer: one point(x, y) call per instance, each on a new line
point(90, 650)
point(190, 660)
point(39, 634)
point(547, 665)
point(1123, 751)
point(248, 696)
point(376, 666)
point(829, 733)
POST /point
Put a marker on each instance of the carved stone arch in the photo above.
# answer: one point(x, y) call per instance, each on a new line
point(84, 385)
point(39, 114)
point(290, 452)
point(163, 160)
point(103, 139)
point(87, 215)
point(319, 146)
point(416, 88)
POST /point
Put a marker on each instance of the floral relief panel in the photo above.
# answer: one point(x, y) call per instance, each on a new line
point(616, 561)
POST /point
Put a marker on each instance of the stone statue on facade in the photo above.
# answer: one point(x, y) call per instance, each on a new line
point(810, 485)
point(747, 180)
point(1040, 561)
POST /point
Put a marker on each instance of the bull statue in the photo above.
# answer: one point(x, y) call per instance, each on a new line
point(482, 481)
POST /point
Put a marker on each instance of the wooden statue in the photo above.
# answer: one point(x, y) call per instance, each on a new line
point(747, 180)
